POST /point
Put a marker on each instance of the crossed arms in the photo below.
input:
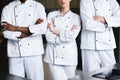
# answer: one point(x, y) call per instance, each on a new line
point(24, 30)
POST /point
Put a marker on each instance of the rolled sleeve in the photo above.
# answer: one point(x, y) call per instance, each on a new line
point(113, 21)
point(38, 29)
point(52, 38)
point(11, 35)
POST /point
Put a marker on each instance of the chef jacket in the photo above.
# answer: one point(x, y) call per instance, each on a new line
point(96, 35)
point(21, 15)
point(62, 49)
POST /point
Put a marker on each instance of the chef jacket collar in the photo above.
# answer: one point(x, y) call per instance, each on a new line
point(27, 1)
point(66, 14)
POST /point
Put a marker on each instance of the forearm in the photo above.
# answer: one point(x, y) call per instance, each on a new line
point(53, 29)
point(10, 27)
point(24, 30)
point(57, 32)
point(23, 36)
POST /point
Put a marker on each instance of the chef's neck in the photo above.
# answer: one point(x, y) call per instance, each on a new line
point(23, 1)
point(63, 11)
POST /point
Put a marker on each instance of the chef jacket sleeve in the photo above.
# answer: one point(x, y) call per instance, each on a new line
point(114, 19)
point(39, 28)
point(5, 17)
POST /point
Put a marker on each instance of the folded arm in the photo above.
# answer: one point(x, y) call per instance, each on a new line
point(24, 30)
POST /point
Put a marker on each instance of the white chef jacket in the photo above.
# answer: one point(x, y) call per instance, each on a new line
point(62, 49)
point(96, 35)
point(24, 15)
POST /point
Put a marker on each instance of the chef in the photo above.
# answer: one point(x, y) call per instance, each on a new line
point(97, 39)
point(61, 51)
point(23, 23)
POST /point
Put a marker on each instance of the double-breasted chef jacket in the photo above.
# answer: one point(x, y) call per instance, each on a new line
point(62, 49)
point(24, 15)
point(96, 35)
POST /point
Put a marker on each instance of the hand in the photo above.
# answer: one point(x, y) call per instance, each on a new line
point(23, 36)
point(7, 26)
point(51, 27)
point(99, 19)
point(39, 21)
point(74, 27)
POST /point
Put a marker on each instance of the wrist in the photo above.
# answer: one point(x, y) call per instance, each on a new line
point(16, 28)
point(56, 32)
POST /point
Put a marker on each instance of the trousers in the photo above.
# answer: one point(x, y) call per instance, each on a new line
point(96, 59)
point(31, 66)
point(62, 72)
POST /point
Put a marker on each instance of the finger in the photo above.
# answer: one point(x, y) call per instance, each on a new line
point(74, 27)
point(3, 28)
point(48, 26)
point(4, 23)
point(52, 21)
point(40, 19)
